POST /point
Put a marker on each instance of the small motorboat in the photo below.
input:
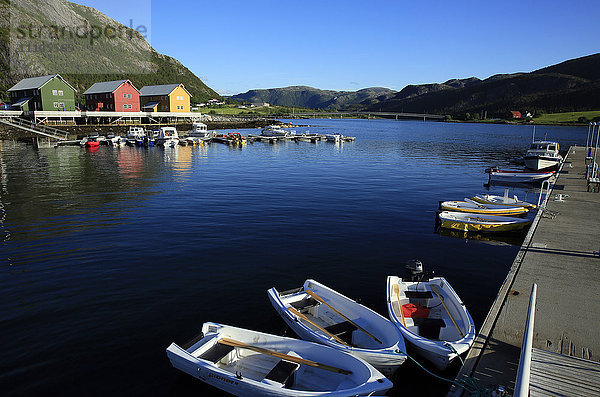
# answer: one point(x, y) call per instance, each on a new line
point(275, 131)
point(543, 155)
point(502, 200)
point(250, 363)
point(200, 132)
point(430, 315)
point(481, 222)
point(472, 206)
point(516, 176)
point(320, 314)
point(167, 137)
point(92, 141)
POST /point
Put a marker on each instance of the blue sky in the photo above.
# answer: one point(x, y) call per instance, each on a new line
point(235, 46)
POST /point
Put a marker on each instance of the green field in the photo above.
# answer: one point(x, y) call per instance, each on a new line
point(231, 110)
point(568, 117)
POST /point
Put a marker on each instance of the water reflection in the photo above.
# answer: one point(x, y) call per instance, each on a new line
point(488, 238)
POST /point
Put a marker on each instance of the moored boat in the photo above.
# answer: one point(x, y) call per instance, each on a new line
point(250, 363)
point(274, 131)
point(320, 314)
point(516, 176)
point(92, 141)
point(430, 315)
point(472, 206)
point(481, 222)
point(199, 131)
point(502, 200)
point(167, 137)
point(542, 155)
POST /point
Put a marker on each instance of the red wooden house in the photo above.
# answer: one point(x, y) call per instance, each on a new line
point(113, 96)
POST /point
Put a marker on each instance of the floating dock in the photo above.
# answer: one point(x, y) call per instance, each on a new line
point(560, 255)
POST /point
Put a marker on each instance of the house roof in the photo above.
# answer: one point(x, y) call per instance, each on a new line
point(165, 89)
point(107, 86)
point(33, 83)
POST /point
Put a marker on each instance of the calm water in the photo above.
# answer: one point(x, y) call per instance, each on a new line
point(109, 256)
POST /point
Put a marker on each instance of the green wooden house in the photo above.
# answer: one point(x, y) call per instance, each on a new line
point(42, 93)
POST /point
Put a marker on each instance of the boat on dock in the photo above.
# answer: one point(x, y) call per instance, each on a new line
point(337, 138)
point(200, 132)
point(430, 315)
point(472, 206)
point(517, 176)
point(91, 141)
point(481, 222)
point(250, 363)
point(543, 155)
point(135, 136)
point(320, 314)
point(167, 137)
point(275, 131)
point(502, 200)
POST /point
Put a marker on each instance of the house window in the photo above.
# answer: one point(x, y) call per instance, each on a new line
point(60, 93)
point(54, 92)
point(55, 105)
point(61, 105)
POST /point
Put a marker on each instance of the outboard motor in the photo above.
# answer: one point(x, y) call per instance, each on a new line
point(414, 271)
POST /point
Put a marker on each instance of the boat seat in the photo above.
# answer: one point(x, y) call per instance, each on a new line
point(418, 294)
point(304, 304)
point(216, 353)
point(429, 327)
point(343, 331)
point(283, 373)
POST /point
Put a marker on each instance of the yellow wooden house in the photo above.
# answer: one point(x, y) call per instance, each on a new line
point(165, 98)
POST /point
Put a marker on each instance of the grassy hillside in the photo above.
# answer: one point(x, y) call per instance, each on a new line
point(569, 117)
point(46, 37)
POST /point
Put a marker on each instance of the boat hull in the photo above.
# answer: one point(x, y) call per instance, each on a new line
point(386, 359)
point(437, 352)
point(519, 177)
point(481, 223)
point(476, 208)
point(541, 162)
point(247, 376)
point(499, 200)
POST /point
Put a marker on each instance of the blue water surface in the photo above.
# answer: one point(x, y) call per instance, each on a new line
point(106, 257)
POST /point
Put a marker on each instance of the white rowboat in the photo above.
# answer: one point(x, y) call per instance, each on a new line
point(320, 314)
point(514, 176)
point(250, 363)
point(480, 222)
point(502, 200)
point(441, 329)
point(471, 206)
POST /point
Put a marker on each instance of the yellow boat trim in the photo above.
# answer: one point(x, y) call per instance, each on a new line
point(480, 227)
point(516, 211)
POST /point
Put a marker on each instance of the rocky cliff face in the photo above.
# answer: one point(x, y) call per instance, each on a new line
point(84, 46)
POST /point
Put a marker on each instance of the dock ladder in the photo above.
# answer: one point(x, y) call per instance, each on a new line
point(38, 129)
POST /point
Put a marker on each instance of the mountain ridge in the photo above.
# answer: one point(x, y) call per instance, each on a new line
point(55, 27)
point(567, 86)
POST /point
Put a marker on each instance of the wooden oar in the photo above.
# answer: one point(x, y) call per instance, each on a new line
point(396, 290)
point(317, 297)
point(302, 316)
point(435, 290)
point(287, 357)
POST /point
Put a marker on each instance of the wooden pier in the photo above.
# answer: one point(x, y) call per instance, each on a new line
point(560, 255)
